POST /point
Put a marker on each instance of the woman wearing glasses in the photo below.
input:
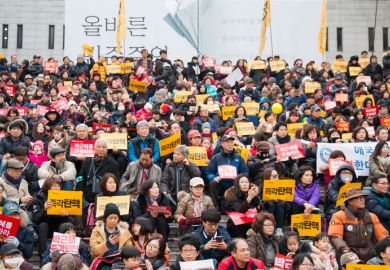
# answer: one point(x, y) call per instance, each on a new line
point(154, 256)
point(302, 261)
point(378, 199)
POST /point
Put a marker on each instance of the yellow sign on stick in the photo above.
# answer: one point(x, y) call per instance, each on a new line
point(65, 202)
point(168, 145)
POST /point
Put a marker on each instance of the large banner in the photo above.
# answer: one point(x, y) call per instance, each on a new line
point(227, 29)
point(357, 153)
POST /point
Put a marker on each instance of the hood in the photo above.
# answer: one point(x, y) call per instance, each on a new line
point(40, 144)
point(263, 100)
point(347, 167)
point(353, 57)
point(315, 250)
point(19, 120)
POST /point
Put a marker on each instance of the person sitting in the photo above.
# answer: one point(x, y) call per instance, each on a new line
point(355, 229)
point(154, 257)
point(131, 258)
point(141, 230)
point(378, 199)
point(322, 252)
point(379, 162)
point(15, 137)
point(11, 258)
point(382, 250)
point(214, 239)
point(65, 261)
point(302, 261)
point(240, 257)
point(30, 171)
point(142, 141)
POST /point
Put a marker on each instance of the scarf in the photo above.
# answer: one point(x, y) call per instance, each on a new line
point(283, 140)
point(12, 181)
point(144, 178)
point(153, 200)
point(198, 206)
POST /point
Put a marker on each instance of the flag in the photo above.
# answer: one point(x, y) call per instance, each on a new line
point(322, 33)
point(121, 25)
point(266, 23)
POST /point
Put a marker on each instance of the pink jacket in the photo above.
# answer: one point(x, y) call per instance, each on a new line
point(143, 114)
point(38, 159)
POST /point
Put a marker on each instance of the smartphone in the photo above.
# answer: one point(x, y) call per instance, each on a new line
point(218, 239)
point(115, 233)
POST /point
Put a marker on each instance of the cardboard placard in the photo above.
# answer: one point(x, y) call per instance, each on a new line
point(181, 96)
point(371, 131)
point(168, 145)
point(105, 127)
point(243, 218)
point(212, 108)
point(190, 221)
point(282, 262)
point(310, 226)
point(330, 105)
point(360, 100)
point(366, 267)
point(42, 110)
point(385, 121)
point(343, 192)
point(243, 152)
point(137, 86)
point(9, 226)
point(346, 136)
point(227, 112)
point(63, 91)
point(251, 108)
point(234, 77)
point(279, 190)
point(9, 89)
point(197, 265)
point(340, 66)
point(22, 111)
point(65, 202)
point(87, 49)
point(50, 67)
point(354, 71)
point(258, 65)
point(292, 150)
point(68, 84)
point(208, 62)
point(126, 68)
point(292, 128)
point(227, 172)
point(364, 62)
point(310, 87)
point(82, 148)
point(123, 203)
point(277, 65)
point(223, 70)
point(341, 97)
point(343, 126)
point(65, 243)
point(245, 128)
point(370, 111)
point(198, 156)
point(115, 140)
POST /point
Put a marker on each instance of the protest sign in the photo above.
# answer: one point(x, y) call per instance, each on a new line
point(329, 105)
point(292, 128)
point(357, 153)
point(243, 218)
point(137, 86)
point(277, 65)
point(310, 226)
point(343, 126)
point(82, 148)
point(190, 221)
point(198, 155)
point(208, 62)
point(3, 112)
point(65, 243)
point(223, 70)
point(9, 226)
point(234, 77)
point(385, 121)
point(211, 107)
point(243, 152)
point(160, 209)
point(87, 49)
point(168, 145)
point(181, 96)
point(245, 128)
point(258, 64)
point(197, 265)
point(42, 110)
point(123, 203)
point(343, 192)
point(282, 190)
point(126, 68)
point(60, 105)
point(22, 111)
point(251, 108)
point(310, 87)
point(65, 202)
point(227, 171)
point(228, 111)
point(115, 140)
point(50, 67)
point(9, 89)
point(63, 91)
point(371, 131)
point(105, 127)
point(282, 262)
point(334, 165)
point(346, 136)
point(201, 98)
point(113, 69)
point(366, 267)
point(341, 97)
point(364, 61)
point(340, 66)
point(292, 150)
point(360, 100)
point(354, 71)
point(365, 79)
point(370, 111)
point(68, 84)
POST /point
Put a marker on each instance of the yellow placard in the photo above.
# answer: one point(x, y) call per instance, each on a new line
point(277, 65)
point(211, 107)
point(310, 87)
point(258, 64)
point(251, 108)
point(65, 202)
point(354, 71)
point(114, 69)
point(243, 152)
point(360, 100)
point(123, 203)
point(115, 140)
point(388, 87)
point(364, 61)
point(227, 112)
point(346, 136)
point(126, 68)
point(87, 49)
point(214, 135)
point(367, 267)
point(340, 66)
point(68, 84)
point(343, 192)
point(168, 145)
point(292, 128)
point(365, 79)
point(198, 155)
point(181, 96)
point(201, 98)
point(282, 190)
point(137, 86)
point(245, 128)
point(310, 226)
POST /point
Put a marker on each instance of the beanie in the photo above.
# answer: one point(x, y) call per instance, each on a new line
point(111, 209)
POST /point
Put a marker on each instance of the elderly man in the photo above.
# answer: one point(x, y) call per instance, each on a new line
point(59, 167)
point(93, 170)
point(178, 173)
point(240, 257)
point(354, 229)
point(142, 141)
point(140, 171)
point(81, 135)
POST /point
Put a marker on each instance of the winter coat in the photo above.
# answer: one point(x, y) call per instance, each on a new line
point(171, 185)
point(379, 166)
point(240, 204)
point(84, 253)
point(38, 159)
point(258, 247)
point(11, 192)
point(185, 206)
point(30, 174)
point(356, 234)
point(98, 241)
point(386, 64)
point(330, 258)
point(34, 69)
point(230, 264)
point(310, 193)
point(372, 70)
point(140, 203)
point(80, 67)
point(167, 75)
point(136, 145)
point(253, 94)
point(375, 261)
point(48, 168)
point(8, 144)
point(379, 204)
point(199, 122)
point(256, 167)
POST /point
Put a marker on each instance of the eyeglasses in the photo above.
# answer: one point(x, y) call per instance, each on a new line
point(152, 247)
point(308, 265)
point(384, 183)
point(189, 250)
point(268, 225)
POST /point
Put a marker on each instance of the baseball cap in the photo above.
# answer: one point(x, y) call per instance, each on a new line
point(227, 137)
point(196, 181)
point(350, 258)
point(10, 208)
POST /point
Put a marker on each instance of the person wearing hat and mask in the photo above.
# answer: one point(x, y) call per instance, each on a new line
point(177, 174)
point(224, 167)
point(15, 137)
point(354, 228)
point(11, 258)
point(110, 234)
point(59, 167)
point(249, 91)
point(315, 119)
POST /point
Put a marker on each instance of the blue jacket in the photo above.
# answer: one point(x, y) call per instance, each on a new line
point(379, 204)
point(198, 124)
point(224, 158)
point(144, 144)
point(299, 100)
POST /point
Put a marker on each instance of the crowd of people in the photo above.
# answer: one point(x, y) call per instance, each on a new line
point(44, 112)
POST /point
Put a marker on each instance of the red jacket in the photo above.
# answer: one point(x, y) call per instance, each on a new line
point(230, 264)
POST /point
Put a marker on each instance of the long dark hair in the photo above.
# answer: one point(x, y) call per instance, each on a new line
point(378, 149)
point(236, 186)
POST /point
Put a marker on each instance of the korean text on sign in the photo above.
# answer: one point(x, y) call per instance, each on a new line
point(8, 226)
point(227, 171)
point(69, 202)
point(115, 140)
point(123, 203)
point(168, 145)
point(309, 226)
point(163, 210)
point(197, 155)
point(65, 243)
point(82, 148)
point(282, 262)
point(245, 128)
point(292, 150)
point(343, 192)
point(279, 190)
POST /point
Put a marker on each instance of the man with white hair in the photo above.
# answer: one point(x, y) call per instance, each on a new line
point(81, 135)
point(142, 141)
point(93, 170)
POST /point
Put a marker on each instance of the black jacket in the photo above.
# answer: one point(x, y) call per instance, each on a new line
point(7, 144)
point(169, 181)
point(139, 205)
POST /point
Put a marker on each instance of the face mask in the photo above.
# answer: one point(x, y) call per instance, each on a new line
point(264, 155)
point(334, 139)
point(210, 102)
point(94, 109)
point(14, 262)
point(345, 178)
point(121, 108)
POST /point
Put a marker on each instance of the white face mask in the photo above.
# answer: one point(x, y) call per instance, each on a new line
point(13, 262)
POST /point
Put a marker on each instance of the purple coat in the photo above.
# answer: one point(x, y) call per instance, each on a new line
point(310, 194)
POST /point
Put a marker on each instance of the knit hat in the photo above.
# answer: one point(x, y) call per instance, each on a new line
point(165, 108)
point(162, 92)
point(111, 209)
point(67, 262)
point(148, 106)
point(262, 145)
point(206, 125)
